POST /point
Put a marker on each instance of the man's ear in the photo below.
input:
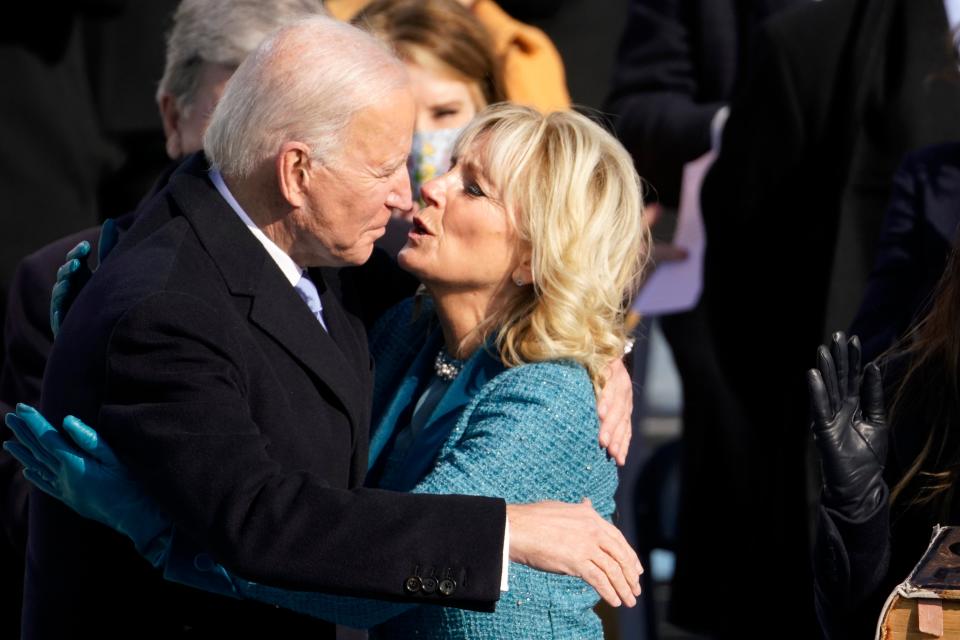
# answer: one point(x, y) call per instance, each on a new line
point(170, 116)
point(293, 172)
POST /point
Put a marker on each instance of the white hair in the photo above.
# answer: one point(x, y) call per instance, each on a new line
point(221, 32)
point(304, 83)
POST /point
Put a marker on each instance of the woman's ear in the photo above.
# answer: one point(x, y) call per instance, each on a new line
point(293, 172)
point(523, 273)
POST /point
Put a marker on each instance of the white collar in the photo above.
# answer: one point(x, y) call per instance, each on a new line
point(290, 270)
point(952, 8)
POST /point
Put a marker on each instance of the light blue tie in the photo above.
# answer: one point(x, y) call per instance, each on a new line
point(308, 291)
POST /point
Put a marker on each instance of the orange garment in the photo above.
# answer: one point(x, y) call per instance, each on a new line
point(532, 67)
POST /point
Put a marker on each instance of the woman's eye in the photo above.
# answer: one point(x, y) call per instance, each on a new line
point(473, 189)
point(445, 113)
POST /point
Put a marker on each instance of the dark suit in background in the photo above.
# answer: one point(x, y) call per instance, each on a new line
point(915, 241)
point(838, 92)
point(678, 65)
point(190, 351)
point(27, 340)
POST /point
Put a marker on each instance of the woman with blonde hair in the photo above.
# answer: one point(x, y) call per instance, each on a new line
point(528, 249)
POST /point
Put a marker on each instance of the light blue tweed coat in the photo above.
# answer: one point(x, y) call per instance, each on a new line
point(525, 434)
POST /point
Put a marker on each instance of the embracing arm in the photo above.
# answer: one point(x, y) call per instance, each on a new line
point(181, 421)
point(520, 440)
point(94, 483)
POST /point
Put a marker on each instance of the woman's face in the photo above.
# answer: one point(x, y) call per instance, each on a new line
point(442, 102)
point(463, 238)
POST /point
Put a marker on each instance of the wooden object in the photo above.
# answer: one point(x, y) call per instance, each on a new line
point(926, 606)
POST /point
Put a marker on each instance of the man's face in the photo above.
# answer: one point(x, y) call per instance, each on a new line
point(351, 196)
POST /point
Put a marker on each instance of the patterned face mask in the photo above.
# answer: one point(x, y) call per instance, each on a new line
point(430, 156)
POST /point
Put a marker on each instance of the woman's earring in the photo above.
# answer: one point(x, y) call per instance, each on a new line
point(519, 281)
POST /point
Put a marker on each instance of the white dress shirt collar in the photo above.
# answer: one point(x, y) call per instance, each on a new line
point(289, 268)
point(953, 13)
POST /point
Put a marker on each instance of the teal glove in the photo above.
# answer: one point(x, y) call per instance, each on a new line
point(86, 476)
point(73, 274)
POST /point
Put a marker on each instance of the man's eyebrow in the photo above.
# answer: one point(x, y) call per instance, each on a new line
point(388, 167)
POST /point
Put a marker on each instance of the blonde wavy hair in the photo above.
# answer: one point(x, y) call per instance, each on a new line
point(574, 197)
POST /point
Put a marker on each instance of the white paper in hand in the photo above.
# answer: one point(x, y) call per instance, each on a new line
point(676, 286)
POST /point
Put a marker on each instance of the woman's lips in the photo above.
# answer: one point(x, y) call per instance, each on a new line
point(420, 228)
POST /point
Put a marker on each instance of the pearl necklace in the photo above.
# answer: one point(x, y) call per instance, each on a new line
point(446, 367)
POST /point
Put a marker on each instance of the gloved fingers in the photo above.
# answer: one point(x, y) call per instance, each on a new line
point(873, 407)
point(24, 456)
point(29, 438)
point(67, 269)
point(50, 442)
point(854, 356)
point(60, 291)
point(81, 250)
point(109, 235)
point(819, 401)
point(838, 350)
point(43, 482)
point(89, 441)
point(829, 375)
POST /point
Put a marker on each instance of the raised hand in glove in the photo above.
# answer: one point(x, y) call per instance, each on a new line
point(850, 428)
point(84, 474)
point(73, 274)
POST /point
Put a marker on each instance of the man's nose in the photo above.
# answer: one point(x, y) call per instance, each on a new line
point(400, 198)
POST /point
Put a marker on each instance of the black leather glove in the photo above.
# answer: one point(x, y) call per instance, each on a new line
point(852, 438)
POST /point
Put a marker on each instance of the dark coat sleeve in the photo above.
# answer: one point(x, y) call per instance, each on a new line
point(914, 243)
point(27, 344)
point(851, 577)
point(663, 118)
point(174, 409)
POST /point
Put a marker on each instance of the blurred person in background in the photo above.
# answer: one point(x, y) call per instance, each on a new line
point(793, 208)
point(677, 69)
point(208, 39)
point(533, 72)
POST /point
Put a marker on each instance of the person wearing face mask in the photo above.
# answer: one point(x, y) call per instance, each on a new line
point(454, 74)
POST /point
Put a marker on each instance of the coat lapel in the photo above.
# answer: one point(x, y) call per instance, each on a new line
point(423, 451)
point(275, 307)
point(390, 421)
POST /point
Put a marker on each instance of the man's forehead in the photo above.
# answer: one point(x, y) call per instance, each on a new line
point(385, 128)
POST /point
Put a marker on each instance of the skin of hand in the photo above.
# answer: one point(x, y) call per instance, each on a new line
point(573, 539)
point(849, 426)
point(615, 408)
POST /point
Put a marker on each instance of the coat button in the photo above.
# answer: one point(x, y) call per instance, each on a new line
point(412, 584)
point(447, 586)
point(203, 562)
point(429, 585)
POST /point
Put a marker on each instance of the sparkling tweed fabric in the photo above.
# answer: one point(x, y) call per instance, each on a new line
point(529, 434)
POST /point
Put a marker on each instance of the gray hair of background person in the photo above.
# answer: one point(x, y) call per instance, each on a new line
point(221, 32)
point(304, 83)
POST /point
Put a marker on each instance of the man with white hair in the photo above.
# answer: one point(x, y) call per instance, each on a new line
point(244, 411)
